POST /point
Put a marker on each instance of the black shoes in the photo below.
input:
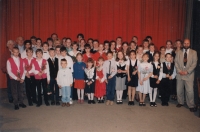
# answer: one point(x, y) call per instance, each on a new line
point(57, 103)
point(22, 105)
point(193, 109)
point(131, 103)
point(52, 103)
point(16, 107)
point(179, 105)
point(91, 102)
point(154, 104)
point(30, 104)
point(47, 103)
point(151, 104)
point(164, 104)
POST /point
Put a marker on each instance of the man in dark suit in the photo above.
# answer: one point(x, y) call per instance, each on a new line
point(151, 52)
point(7, 54)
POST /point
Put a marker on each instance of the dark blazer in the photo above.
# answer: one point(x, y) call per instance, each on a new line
point(150, 56)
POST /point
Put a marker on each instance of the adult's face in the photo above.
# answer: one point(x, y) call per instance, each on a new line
point(186, 43)
point(54, 37)
point(10, 45)
point(68, 43)
point(20, 41)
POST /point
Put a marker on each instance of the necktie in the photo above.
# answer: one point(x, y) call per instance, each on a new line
point(168, 66)
point(109, 66)
point(52, 60)
point(185, 58)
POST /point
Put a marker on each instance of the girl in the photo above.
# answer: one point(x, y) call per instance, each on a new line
point(39, 44)
point(113, 48)
point(125, 49)
point(88, 54)
point(50, 42)
point(155, 79)
point(168, 47)
point(120, 76)
point(178, 45)
point(100, 85)
point(132, 76)
point(132, 45)
point(74, 52)
point(99, 53)
point(27, 45)
point(78, 75)
point(145, 45)
point(162, 54)
point(82, 46)
point(90, 76)
point(145, 70)
point(139, 53)
point(106, 46)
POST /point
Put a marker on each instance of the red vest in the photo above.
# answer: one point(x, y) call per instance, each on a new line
point(14, 68)
point(37, 67)
point(27, 66)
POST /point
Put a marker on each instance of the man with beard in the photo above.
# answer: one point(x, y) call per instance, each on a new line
point(185, 63)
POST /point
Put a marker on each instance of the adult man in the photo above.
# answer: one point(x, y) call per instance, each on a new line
point(7, 54)
point(20, 44)
point(185, 62)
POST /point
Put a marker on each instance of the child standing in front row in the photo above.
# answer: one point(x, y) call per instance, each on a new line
point(90, 76)
point(100, 85)
point(78, 74)
point(109, 71)
point(65, 80)
point(145, 70)
point(155, 78)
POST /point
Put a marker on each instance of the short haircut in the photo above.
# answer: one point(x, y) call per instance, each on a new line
point(58, 46)
point(132, 51)
point(119, 37)
point(162, 47)
point(132, 42)
point(145, 40)
point(81, 35)
point(148, 37)
point(45, 43)
point(49, 39)
point(39, 50)
point(168, 54)
point(39, 39)
point(29, 49)
point(51, 49)
point(100, 58)
point(15, 48)
point(109, 52)
point(63, 49)
point(135, 37)
point(33, 37)
point(105, 42)
point(95, 40)
point(83, 40)
point(169, 41)
point(151, 45)
point(26, 42)
point(54, 34)
point(87, 46)
point(69, 39)
point(90, 39)
point(63, 60)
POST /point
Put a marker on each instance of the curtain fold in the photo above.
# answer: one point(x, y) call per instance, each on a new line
point(98, 19)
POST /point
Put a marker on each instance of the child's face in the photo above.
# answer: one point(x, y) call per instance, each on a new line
point(178, 44)
point(39, 43)
point(156, 57)
point(63, 64)
point(100, 62)
point(152, 48)
point(15, 52)
point(109, 56)
point(135, 39)
point(82, 43)
point(90, 43)
point(64, 53)
point(39, 55)
point(119, 41)
point(89, 64)
point(120, 55)
point(33, 41)
point(52, 53)
point(168, 45)
point(146, 44)
point(68, 43)
point(140, 50)
point(29, 53)
point(28, 45)
point(45, 47)
point(50, 43)
point(95, 44)
point(125, 47)
point(149, 40)
point(145, 58)
point(101, 47)
point(74, 47)
point(168, 58)
point(162, 51)
point(133, 46)
point(132, 56)
point(79, 58)
point(112, 46)
point(106, 46)
point(87, 50)
point(58, 51)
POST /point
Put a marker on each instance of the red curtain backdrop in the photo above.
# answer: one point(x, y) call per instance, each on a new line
point(98, 19)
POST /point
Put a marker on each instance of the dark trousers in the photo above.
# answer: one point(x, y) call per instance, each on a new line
point(166, 85)
point(110, 88)
point(9, 93)
point(42, 82)
point(17, 91)
point(53, 84)
point(173, 90)
point(30, 89)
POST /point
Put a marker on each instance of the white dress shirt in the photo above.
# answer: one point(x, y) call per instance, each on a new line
point(45, 55)
point(29, 62)
point(174, 72)
point(160, 73)
point(168, 51)
point(9, 70)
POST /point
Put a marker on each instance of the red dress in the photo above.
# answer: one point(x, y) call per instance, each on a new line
point(85, 57)
point(100, 88)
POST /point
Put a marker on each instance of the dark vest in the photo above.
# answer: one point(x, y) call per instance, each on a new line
point(166, 71)
point(156, 71)
point(132, 68)
point(150, 56)
point(53, 67)
point(121, 68)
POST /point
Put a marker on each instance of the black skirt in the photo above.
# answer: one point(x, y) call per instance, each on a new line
point(134, 81)
point(90, 88)
point(153, 83)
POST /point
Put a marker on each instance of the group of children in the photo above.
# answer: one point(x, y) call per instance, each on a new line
point(98, 74)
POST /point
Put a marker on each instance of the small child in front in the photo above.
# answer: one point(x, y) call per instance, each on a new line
point(65, 80)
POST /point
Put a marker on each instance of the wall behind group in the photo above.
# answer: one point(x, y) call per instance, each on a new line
point(98, 19)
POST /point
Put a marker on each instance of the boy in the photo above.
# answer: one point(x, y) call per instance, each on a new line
point(151, 52)
point(109, 71)
point(57, 51)
point(30, 79)
point(169, 73)
point(65, 80)
point(53, 70)
point(45, 47)
point(41, 71)
point(95, 46)
point(15, 69)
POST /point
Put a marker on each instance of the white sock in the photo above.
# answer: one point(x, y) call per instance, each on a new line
point(78, 93)
point(120, 94)
point(150, 95)
point(102, 98)
point(92, 96)
point(154, 94)
point(89, 96)
point(117, 93)
point(82, 94)
point(98, 98)
point(60, 92)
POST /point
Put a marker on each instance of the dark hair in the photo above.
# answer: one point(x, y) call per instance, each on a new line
point(151, 45)
point(39, 39)
point(127, 51)
point(158, 55)
point(90, 39)
point(64, 60)
point(45, 43)
point(58, 46)
point(95, 40)
point(149, 37)
point(111, 43)
point(54, 34)
point(62, 49)
point(100, 58)
point(29, 49)
point(169, 41)
point(87, 46)
point(179, 41)
point(51, 49)
point(132, 42)
point(26, 42)
point(79, 54)
point(162, 47)
point(33, 37)
point(124, 58)
point(90, 60)
point(145, 40)
point(119, 37)
point(74, 44)
point(49, 39)
point(132, 51)
point(64, 38)
point(39, 50)
point(106, 41)
point(135, 37)
point(15, 48)
point(81, 35)
point(68, 39)
point(168, 54)
point(82, 39)
point(109, 52)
